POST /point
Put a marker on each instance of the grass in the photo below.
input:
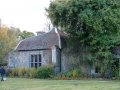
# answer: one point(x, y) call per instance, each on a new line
point(37, 84)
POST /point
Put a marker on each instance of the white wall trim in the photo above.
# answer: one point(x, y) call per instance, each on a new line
point(56, 31)
point(54, 55)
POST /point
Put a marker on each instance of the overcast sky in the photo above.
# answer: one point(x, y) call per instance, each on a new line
point(24, 14)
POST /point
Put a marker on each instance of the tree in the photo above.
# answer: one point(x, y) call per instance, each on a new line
point(8, 40)
point(25, 34)
point(93, 23)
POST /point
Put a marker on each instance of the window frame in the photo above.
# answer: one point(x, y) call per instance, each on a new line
point(35, 60)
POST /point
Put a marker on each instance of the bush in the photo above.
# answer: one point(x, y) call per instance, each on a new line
point(14, 72)
point(8, 72)
point(45, 72)
point(73, 74)
point(31, 73)
point(21, 72)
point(69, 74)
point(63, 76)
point(76, 73)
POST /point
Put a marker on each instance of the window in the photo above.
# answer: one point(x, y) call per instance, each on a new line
point(35, 61)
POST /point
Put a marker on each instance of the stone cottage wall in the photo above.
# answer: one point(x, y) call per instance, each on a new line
point(22, 58)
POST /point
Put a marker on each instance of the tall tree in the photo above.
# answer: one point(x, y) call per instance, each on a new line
point(8, 40)
point(93, 23)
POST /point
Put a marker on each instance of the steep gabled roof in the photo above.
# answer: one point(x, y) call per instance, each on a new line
point(44, 41)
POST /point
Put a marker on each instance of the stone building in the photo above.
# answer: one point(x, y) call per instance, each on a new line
point(48, 48)
point(43, 49)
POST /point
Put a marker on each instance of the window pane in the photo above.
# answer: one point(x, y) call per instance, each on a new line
point(35, 65)
point(35, 58)
point(31, 58)
point(35, 61)
point(39, 58)
point(31, 64)
point(39, 64)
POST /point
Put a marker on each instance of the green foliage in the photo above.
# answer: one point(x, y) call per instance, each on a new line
point(8, 40)
point(78, 56)
point(12, 72)
point(116, 72)
point(63, 76)
point(31, 73)
point(42, 72)
point(22, 72)
point(25, 34)
point(93, 23)
point(9, 37)
point(76, 73)
point(73, 74)
point(45, 71)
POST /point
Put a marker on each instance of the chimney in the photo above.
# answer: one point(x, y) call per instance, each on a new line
point(40, 33)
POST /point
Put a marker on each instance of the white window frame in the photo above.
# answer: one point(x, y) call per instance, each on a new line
point(35, 60)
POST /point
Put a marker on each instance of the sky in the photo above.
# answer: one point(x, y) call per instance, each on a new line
point(27, 15)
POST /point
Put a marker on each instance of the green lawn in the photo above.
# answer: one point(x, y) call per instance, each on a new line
point(37, 84)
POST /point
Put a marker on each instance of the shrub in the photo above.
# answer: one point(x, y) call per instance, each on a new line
point(8, 72)
point(41, 72)
point(31, 73)
point(45, 71)
point(73, 74)
point(21, 72)
point(63, 76)
point(13, 72)
point(69, 74)
point(76, 73)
